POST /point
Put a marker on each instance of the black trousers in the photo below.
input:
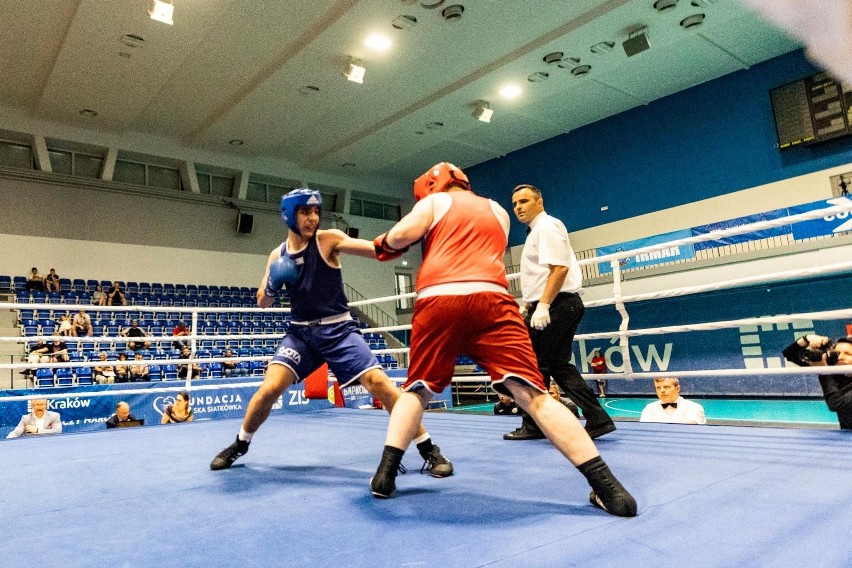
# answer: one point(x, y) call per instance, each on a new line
point(552, 346)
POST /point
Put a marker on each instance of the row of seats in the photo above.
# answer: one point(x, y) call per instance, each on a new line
point(157, 318)
point(9, 284)
point(23, 297)
point(83, 376)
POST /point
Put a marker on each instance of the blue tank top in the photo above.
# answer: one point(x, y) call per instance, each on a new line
point(318, 293)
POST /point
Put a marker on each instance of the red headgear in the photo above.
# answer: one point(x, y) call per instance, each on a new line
point(438, 178)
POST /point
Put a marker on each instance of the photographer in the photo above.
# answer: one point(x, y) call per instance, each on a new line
point(819, 351)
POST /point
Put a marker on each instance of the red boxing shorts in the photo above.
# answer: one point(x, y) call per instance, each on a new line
point(485, 326)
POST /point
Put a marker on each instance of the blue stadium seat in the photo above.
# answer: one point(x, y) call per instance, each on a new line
point(155, 373)
point(92, 284)
point(6, 284)
point(22, 297)
point(179, 289)
point(64, 377)
point(157, 288)
point(132, 288)
point(84, 375)
point(169, 372)
point(192, 290)
point(44, 378)
point(19, 283)
point(216, 370)
point(78, 285)
point(64, 284)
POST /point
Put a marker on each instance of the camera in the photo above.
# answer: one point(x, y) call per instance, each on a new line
point(811, 355)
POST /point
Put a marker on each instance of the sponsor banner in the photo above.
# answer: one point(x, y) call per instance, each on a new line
point(738, 222)
point(82, 412)
point(829, 225)
point(648, 258)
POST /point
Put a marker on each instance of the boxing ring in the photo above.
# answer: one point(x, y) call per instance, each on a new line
point(708, 495)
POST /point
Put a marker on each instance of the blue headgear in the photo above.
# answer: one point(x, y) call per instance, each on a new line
point(290, 203)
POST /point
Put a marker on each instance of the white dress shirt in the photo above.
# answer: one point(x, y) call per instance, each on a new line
point(687, 412)
point(546, 245)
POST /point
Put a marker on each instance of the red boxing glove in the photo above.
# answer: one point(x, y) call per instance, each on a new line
point(384, 251)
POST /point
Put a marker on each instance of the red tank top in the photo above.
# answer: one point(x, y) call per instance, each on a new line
point(466, 245)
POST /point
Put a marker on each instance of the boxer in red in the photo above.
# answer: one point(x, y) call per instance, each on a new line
point(463, 306)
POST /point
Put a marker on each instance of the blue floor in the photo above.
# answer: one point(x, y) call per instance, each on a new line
point(721, 411)
point(708, 496)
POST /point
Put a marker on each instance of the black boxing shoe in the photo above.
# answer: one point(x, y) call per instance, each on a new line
point(229, 455)
point(607, 492)
point(436, 464)
point(524, 433)
point(383, 483)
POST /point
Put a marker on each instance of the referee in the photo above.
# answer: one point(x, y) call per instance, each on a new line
point(551, 283)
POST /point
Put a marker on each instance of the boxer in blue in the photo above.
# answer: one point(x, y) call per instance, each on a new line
point(322, 330)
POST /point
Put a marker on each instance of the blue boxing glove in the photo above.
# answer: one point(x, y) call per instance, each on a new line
point(282, 271)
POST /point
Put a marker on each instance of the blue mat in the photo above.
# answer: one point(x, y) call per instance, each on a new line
point(708, 496)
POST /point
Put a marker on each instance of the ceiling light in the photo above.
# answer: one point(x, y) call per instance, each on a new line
point(378, 42)
point(235, 142)
point(431, 3)
point(88, 112)
point(162, 11)
point(482, 111)
point(434, 125)
point(553, 58)
point(692, 21)
point(663, 5)
point(568, 63)
point(581, 70)
point(703, 3)
point(404, 22)
point(453, 13)
point(133, 40)
point(510, 91)
point(538, 77)
point(355, 71)
point(309, 90)
point(602, 47)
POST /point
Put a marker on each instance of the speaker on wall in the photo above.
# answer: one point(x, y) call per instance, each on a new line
point(245, 223)
point(636, 44)
point(352, 232)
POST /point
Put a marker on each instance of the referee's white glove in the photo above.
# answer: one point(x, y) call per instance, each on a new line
point(541, 316)
point(523, 309)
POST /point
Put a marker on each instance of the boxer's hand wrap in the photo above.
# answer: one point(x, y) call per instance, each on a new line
point(384, 251)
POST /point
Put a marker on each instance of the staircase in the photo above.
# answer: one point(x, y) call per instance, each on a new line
point(377, 317)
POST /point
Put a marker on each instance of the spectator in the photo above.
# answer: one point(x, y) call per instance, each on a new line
point(59, 352)
point(819, 351)
point(180, 330)
point(35, 283)
point(229, 367)
point(51, 281)
point(122, 414)
point(135, 331)
point(39, 353)
point(139, 372)
point(671, 407)
point(122, 374)
point(115, 297)
point(99, 298)
point(40, 421)
point(65, 327)
point(184, 368)
point(506, 406)
point(82, 324)
point(598, 363)
point(564, 400)
point(104, 374)
point(180, 411)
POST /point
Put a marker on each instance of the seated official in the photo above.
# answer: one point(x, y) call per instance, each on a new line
point(122, 414)
point(671, 407)
point(506, 406)
point(39, 421)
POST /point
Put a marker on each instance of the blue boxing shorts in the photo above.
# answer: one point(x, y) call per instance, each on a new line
point(306, 347)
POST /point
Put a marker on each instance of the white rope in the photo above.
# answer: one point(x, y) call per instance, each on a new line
point(711, 326)
point(89, 393)
point(779, 371)
point(773, 277)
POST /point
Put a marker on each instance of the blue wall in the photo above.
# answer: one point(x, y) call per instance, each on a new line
point(710, 140)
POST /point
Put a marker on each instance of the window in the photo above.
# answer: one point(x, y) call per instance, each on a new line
point(374, 209)
point(16, 155)
point(404, 286)
point(75, 164)
point(222, 186)
point(268, 190)
point(147, 174)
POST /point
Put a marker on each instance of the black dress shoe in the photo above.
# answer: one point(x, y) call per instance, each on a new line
point(600, 429)
point(524, 434)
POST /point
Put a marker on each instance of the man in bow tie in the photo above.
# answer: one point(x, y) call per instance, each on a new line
point(671, 407)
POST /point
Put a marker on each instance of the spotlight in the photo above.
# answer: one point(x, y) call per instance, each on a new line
point(482, 111)
point(162, 11)
point(355, 71)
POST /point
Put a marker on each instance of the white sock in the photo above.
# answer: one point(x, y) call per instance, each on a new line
point(421, 439)
point(245, 436)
